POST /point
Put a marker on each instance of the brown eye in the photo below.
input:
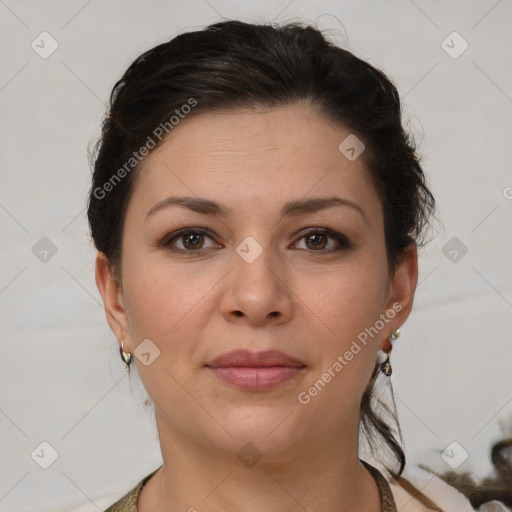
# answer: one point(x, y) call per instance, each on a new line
point(186, 240)
point(317, 241)
point(192, 241)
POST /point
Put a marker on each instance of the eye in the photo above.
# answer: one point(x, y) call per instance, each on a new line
point(192, 240)
point(316, 240)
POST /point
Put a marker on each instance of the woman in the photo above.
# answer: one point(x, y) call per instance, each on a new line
point(257, 208)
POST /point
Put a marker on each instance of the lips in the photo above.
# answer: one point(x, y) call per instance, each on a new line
point(245, 358)
point(256, 371)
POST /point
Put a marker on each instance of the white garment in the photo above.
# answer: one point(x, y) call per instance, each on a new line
point(443, 495)
point(493, 506)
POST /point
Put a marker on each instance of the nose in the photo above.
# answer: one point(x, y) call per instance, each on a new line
point(257, 292)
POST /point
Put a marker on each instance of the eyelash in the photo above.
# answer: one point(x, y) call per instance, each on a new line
point(343, 241)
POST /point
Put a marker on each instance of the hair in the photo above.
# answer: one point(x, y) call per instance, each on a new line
point(493, 487)
point(235, 65)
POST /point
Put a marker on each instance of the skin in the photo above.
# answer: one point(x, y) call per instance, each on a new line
point(306, 301)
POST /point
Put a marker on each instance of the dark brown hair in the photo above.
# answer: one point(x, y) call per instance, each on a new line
point(493, 487)
point(233, 65)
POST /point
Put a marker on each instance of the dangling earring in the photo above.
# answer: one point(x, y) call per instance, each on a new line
point(126, 357)
point(386, 365)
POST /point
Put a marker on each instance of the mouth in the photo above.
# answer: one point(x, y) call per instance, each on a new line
point(256, 370)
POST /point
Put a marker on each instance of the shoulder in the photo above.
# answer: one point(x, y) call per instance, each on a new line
point(443, 495)
point(128, 503)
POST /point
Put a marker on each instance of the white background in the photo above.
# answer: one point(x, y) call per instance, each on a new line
point(61, 378)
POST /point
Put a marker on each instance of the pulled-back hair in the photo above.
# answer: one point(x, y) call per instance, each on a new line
point(232, 65)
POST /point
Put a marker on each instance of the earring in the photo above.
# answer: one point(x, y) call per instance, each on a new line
point(386, 365)
point(126, 357)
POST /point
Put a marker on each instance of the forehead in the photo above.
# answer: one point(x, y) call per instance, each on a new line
point(247, 157)
point(293, 131)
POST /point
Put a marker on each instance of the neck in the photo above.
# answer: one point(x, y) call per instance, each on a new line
point(199, 478)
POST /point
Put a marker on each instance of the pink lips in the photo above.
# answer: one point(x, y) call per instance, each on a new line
point(255, 370)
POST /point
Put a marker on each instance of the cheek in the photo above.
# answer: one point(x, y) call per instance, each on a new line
point(166, 304)
point(345, 307)
point(348, 300)
point(165, 301)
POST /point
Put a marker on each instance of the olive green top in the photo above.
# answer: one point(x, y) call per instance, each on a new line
point(128, 503)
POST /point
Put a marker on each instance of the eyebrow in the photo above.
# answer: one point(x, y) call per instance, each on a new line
point(290, 209)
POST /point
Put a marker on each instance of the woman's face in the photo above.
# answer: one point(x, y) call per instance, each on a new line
point(256, 272)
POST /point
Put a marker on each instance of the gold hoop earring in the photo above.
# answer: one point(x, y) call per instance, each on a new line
point(386, 365)
point(126, 357)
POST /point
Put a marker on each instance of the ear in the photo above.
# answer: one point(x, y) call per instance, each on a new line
point(401, 293)
point(112, 294)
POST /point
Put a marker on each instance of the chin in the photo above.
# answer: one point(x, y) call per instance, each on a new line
point(268, 429)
